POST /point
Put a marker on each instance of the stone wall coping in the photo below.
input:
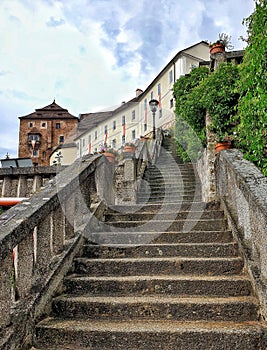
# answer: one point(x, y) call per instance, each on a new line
point(248, 176)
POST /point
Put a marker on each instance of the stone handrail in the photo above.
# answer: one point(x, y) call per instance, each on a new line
point(242, 190)
point(40, 237)
point(130, 171)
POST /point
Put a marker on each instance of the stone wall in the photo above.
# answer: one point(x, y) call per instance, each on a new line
point(242, 190)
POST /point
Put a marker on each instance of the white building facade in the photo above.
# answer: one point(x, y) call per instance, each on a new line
point(133, 118)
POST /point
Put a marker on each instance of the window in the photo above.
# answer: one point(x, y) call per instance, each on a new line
point(89, 139)
point(123, 120)
point(114, 144)
point(31, 124)
point(96, 135)
point(57, 125)
point(61, 139)
point(114, 125)
point(170, 76)
point(151, 95)
point(35, 153)
point(159, 89)
point(34, 137)
point(160, 113)
point(106, 130)
point(83, 140)
point(171, 103)
point(43, 125)
point(123, 139)
point(145, 127)
point(133, 134)
point(133, 115)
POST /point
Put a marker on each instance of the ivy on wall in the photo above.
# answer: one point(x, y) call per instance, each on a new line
point(252, 107)
point(202, 91)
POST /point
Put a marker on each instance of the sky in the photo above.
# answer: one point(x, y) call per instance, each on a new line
point(92, 54)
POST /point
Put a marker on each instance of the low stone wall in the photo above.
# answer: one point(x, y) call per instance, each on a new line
point(242, 190)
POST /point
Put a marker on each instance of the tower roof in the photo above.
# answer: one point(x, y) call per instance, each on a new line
point(52, 111)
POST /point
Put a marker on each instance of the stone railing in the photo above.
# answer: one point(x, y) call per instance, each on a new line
point(242, 190)
point(130, 171)
point(39, 238)
point(23, 182)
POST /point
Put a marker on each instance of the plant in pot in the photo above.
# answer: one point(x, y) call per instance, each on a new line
point(109, 152)
point(224, 42)
point(129, 147)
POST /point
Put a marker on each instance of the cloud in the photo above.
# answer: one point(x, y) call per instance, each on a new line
point(55, 22)
point(89, 54)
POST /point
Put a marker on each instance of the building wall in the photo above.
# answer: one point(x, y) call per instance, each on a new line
point(141, 124)
point(49, 137)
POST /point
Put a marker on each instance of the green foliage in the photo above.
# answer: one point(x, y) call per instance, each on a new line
point(252, 106)
point(220, 98)
point(197, 93)
point(190, 120)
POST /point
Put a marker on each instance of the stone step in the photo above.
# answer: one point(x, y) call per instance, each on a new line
point(158, 266)
point(156, 307)
point(167, 198)
point(161, 250)
point(59, 334)
point(175, 225)
point(135, 237)
point(182, 215)
point(167, 207)
point(220, 286)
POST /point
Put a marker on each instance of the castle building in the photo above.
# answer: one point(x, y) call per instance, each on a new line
point(42, 131)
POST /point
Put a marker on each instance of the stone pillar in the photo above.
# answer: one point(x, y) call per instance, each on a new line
point(5, 290)
point(43, 243)
point(22, 186)
point(58, 220)
point(7, 187)
point(24, 266)
point(37, 182)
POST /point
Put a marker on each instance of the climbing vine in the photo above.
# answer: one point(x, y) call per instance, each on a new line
point(252, 107)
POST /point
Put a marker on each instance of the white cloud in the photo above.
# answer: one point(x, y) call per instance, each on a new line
point(89, 54)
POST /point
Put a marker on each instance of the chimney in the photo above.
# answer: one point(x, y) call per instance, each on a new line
point(138, 92)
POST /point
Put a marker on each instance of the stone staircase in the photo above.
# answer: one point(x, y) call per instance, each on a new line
point(163, 274)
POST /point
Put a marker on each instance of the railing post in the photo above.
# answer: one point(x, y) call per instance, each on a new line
point(24, 266)
point(5, 290)
point(58, 220)
point(22, 186)
point(43, 244)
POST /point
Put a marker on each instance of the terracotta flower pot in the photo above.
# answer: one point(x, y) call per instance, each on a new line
point(222, 146)
point(129, 149)
point(110, 157)
point(216, 48)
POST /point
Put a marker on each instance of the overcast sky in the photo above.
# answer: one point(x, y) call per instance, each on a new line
point(91, 54)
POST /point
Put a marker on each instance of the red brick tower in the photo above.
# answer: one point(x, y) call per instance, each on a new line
point(43, 130)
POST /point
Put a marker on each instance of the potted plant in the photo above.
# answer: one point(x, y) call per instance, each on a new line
point(109, 152)
point(129, 147)
point(224, 42)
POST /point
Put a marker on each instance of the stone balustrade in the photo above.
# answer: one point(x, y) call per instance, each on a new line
point(242, 190)
point(39, 238)
point(23, 182)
